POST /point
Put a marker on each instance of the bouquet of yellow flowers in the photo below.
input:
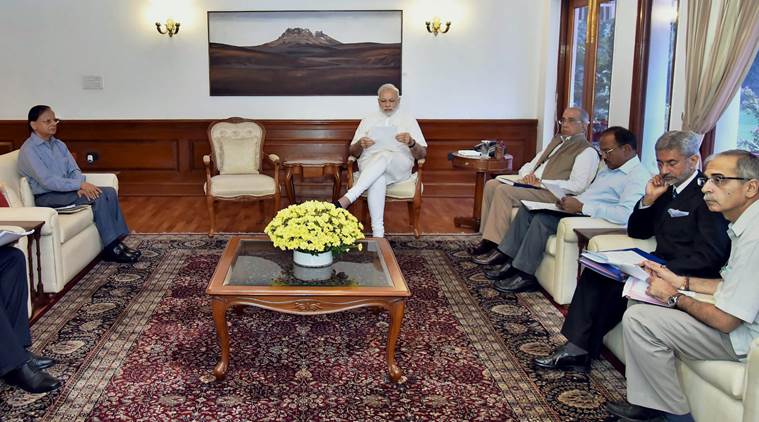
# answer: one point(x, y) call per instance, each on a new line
point(314, 227)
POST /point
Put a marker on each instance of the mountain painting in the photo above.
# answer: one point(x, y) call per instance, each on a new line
point(339, 58)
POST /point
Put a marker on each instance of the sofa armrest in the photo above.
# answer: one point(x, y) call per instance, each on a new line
point(48, 215)
point(619, 241)
point(566, 229)
point(103, 179)
point(751, 387)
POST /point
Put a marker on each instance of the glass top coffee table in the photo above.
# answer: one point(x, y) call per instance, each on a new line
point(253, 272)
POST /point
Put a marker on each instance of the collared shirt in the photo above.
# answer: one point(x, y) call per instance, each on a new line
point(583, 170)
point(48, 165)
point(738, 294)
point(614, 193)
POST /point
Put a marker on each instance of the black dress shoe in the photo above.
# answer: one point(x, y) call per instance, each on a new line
point(516, 284)
point(561, 359)
point(119, 254)
point(500, 272)
point(41, 362)
point(632, 412)
point(483, 247)
point(493, 258)
point(130, 251)
point(31, 379)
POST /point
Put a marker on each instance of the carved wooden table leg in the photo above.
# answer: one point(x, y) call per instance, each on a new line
point(336, 186)
point(290, 185)
point(219, 307)
point(396, 317)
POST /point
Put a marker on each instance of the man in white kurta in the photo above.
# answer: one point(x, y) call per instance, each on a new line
point(384, 161)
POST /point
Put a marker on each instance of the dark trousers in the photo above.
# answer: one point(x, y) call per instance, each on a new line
point(597, 306)
point(106, 209)
point(525, 241)
point(14, 319)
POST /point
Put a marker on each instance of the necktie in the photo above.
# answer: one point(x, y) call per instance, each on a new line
point(674, 192)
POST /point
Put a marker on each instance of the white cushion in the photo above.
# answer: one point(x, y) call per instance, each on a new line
point(237, 147)
point(400, 190)
point(27, 197)
point(728, 376)
point(233, 185)
point(10, 196)
point(70, 225)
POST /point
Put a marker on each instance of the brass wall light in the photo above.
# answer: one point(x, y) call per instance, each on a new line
point(171, 27)
point(435, 27)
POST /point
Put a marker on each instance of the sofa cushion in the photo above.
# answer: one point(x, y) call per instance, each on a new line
point(232, 185)
point(551, 245)
point(728, 376)
point(400, 190)
point(70, 225)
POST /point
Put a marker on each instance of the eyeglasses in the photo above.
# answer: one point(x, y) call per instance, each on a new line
point(607, 151)
point(717, 179)
point(50, 121)
point(565, 120)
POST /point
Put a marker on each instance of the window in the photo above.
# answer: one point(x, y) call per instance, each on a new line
point(739, 125)
point(587, 52)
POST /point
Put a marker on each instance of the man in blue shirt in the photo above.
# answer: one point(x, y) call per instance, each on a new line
point(611, 196)
point(57, 181)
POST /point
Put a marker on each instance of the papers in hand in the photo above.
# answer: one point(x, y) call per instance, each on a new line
point(635, 289)
point(7, 237)
point(555, 189)
point(627, 261)
point(505, 179)
point(384, 138)
point(544, 206)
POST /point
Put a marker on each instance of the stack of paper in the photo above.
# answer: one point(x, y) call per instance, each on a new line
point(8, 237)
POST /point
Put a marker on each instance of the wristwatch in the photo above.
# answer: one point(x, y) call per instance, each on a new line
point(672, 301)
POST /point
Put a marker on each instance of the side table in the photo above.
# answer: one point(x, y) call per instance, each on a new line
point(36, 228)
point(312, 168)
point(484, 167)
point(585, 234)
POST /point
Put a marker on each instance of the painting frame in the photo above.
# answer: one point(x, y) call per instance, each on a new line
point(304, 52)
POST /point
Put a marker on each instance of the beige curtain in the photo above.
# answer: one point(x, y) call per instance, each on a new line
point(722, 41)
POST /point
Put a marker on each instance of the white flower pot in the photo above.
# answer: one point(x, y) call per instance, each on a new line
point(304, 259)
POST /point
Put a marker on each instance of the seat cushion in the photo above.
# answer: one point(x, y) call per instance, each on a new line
point(70, 225)
point(728, 376)
point(551, 245)
point(233, 185)
point(400, 190)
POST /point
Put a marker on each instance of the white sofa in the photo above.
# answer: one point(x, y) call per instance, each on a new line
point(716, 390)
point(69, 242)
point(557, 272)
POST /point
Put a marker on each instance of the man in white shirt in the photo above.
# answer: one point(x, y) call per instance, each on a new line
point(387, 159)
point(569, 161)
point(691, 329)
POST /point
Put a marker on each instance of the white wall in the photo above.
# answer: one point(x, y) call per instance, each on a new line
point(492, 64)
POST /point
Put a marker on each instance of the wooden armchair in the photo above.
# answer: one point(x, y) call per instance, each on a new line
point(233, 169)
point(409, 191)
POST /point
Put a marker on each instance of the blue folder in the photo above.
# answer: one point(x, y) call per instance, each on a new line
point(613, 272)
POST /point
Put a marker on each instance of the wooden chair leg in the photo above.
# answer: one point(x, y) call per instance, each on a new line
point(411, 220)
point(417, 211)
point(211, 215)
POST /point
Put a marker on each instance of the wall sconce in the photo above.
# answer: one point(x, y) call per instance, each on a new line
point(435, 26)
point(171, 27)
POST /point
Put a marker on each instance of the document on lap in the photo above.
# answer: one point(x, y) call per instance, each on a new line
point(7, 237)
point(545, 206)
point(503, 179)
point(617, 265)
point(555, 189)
point(384, 138)
point(635, 289)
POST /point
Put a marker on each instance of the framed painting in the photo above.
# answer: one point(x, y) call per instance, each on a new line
point(289, 53)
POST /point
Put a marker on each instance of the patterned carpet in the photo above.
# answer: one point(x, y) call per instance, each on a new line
point(137, 342)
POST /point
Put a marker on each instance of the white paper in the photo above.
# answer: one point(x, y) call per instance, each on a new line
point(635, 289)
point(468, 153)
point(504, 179)
point(8, 237)
point(555, 189)
point(65, 207)
point(384, 138)
point(548, 206)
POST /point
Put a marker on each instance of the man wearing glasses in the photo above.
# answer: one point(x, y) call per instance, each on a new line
point(569, 160)
point(689, 237)
point(692, 329)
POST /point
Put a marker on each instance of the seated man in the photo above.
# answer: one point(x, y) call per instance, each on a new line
point(611, 196)
point(383, 165)
point(569, 160)
point(692, 241)
point(654, 335)
point(18, 366)
point(57, 181)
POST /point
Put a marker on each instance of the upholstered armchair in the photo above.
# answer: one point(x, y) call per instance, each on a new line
point(408, 191)
point(233, 169)
point(716, 390)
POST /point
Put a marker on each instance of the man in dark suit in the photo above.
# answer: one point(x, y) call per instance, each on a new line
point(18, 366)
point(691, 239)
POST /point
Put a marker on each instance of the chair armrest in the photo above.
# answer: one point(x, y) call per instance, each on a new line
point(273, 158)
point(48, 215)
point(420, 162)
point(619, 241)
point(751, 387)
point(103, 179)
point(349, 167)
point(207, 160)
point(567, 226)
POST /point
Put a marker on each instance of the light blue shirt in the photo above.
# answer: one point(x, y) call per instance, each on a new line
point(738, 294)
point(614, 193)
point(48, 165)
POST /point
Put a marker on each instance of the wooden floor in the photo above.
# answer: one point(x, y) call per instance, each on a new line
point(155, 214)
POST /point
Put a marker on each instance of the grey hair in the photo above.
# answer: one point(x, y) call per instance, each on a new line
point(584, 116)
point(746, 166)
point(687, 143)
point(390, 87)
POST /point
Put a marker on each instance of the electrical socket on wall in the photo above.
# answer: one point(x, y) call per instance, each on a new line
point(91, 157)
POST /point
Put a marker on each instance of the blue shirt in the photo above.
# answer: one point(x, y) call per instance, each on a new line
point(48, 165)
point(614, 193)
